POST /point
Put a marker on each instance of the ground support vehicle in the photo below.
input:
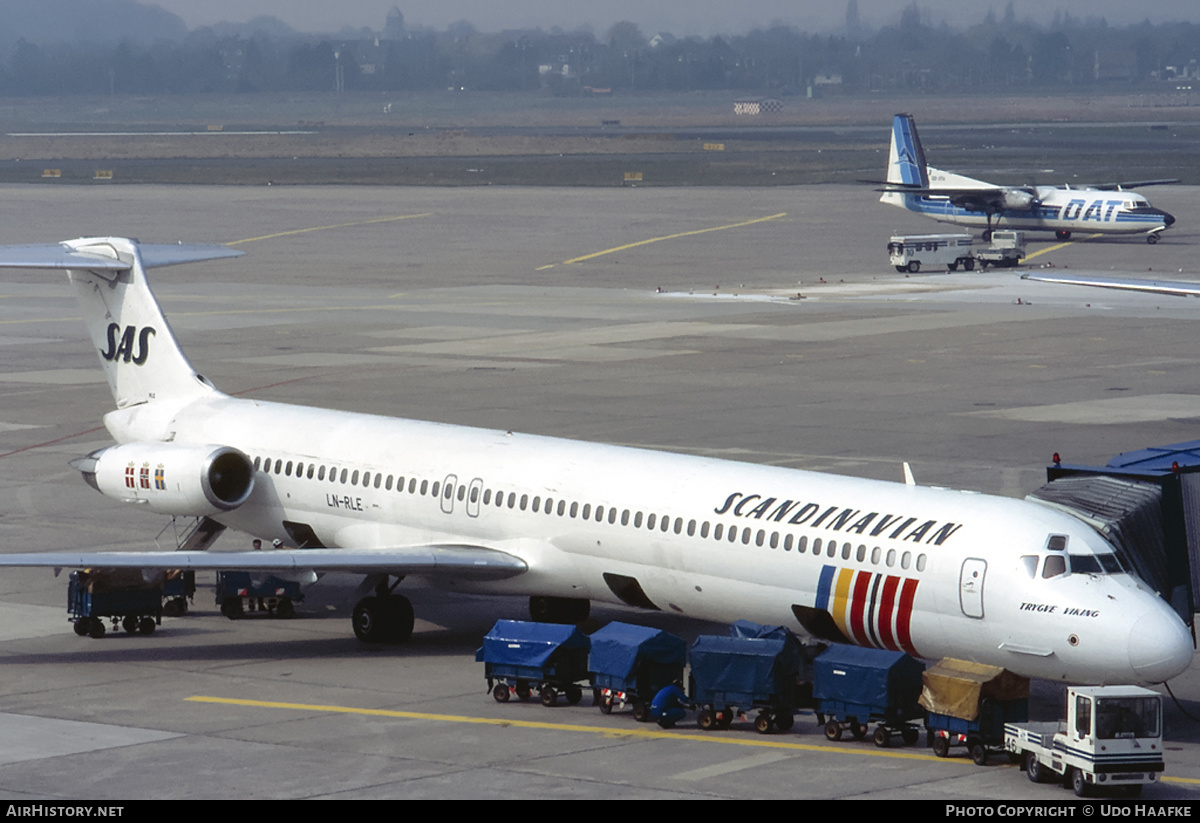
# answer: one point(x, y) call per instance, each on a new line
point(967, 704)
point(629, 664)
point(122, 595)
point(734, 675)
point(520, 656)
point(908, 253)
point(1111, 738)
point(855, 686)
point(1005, 251)
point(178, 589)
point(238, 593)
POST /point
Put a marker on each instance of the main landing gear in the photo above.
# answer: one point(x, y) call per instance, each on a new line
point(384, 617)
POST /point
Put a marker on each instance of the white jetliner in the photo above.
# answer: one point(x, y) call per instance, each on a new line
point(963, 201)
point(935, 572)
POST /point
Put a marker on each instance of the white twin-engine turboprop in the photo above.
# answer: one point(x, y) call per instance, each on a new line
point(934, 572)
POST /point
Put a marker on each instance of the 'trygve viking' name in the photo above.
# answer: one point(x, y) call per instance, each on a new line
point(837, 518)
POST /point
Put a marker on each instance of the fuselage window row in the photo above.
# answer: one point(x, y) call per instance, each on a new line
point(652, 521)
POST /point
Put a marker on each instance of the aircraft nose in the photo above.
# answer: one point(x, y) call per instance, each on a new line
point(1168, 219)
point(1160, 646)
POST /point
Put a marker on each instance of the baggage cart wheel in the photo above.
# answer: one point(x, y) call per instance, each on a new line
point(882, 736)
point(96, 628)
point(969, 264)
point(641, 711)
point(941, 746)
point(762, 723)
point(231, 607)
point(784, 720)
point(606, 704)
point(707, 720)
point(910, 735)
point(833, 730)
point(129, 624)
point(549, 696)
point(285, 609)
point(725, 718)
point(858, 730)
point(524, 692)
point(501, 693)
point(146, 625)
point(979, 752)
point(574, 695)
point(81, 627)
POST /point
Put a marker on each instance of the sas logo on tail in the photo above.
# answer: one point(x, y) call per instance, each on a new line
point(126, 348)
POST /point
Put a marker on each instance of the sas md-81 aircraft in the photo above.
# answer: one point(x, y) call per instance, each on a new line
point(934, 572)
point(963, 201)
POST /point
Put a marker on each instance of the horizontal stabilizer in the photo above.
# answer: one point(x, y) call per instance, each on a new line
point(473, 562)
point(1175, 288)
point(71, 256)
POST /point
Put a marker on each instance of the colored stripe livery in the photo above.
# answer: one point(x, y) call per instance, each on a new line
point(871, 608)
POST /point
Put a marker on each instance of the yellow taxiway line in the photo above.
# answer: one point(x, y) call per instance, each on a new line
point(1058, 246)
point(650, 733)
point(647, 242)
point(326, 228)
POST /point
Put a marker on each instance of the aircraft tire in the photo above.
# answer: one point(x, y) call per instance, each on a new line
point(398, 614)
point(1152, 239)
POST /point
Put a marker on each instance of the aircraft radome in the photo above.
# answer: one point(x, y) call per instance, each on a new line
point(935, 572)
point(963, 201)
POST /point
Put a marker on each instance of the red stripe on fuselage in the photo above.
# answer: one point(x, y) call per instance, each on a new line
point(904, 618)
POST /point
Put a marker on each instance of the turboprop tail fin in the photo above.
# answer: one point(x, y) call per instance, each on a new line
point(138, 351)
point(906, 160)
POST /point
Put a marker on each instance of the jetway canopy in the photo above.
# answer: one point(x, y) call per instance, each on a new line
point(1147, 503)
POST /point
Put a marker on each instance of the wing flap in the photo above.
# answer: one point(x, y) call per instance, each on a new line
point(473, 562)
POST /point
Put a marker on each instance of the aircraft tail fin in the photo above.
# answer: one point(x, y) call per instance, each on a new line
point(906, 160)
point(138, 351)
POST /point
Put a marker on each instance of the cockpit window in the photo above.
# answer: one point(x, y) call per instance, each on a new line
point(1028, 564)
point(1057, 542)
point(1055, 565)
point(1085, 564)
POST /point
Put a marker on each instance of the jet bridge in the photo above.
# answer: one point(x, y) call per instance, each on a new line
point(1147, 503)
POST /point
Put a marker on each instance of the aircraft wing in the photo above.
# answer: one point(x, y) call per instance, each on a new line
point(980, 200)
point(1175, 288)
point(473, 562)
point(63, 256)
point(1133, 184)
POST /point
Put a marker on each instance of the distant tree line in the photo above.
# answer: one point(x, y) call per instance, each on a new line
point(999, 53)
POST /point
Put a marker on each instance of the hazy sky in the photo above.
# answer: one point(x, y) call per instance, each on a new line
point(680, 17)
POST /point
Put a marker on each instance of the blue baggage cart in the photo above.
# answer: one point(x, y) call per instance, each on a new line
point(629, 664)
point(855, 686)
point(121, 595)
point(520, 656)
point(239, 592)
point(732, 675)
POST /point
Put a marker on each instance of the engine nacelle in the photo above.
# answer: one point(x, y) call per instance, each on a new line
point(171, 478)
point(1018, 199)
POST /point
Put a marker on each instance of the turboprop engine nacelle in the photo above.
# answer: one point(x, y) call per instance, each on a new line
point(1018, 199)
point(171, 478)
